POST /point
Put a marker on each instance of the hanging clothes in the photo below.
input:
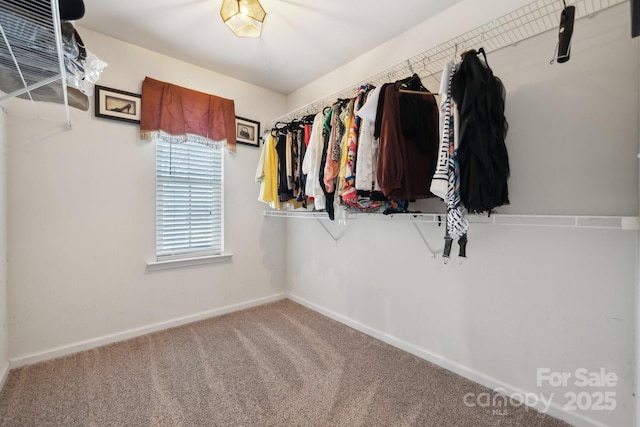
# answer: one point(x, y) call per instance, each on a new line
point(301, 195)
point(348, 118)
point(367, 155)
point(334, 149)
point(330, 122)
point(296, 136)
point(408, 149)
point(349, 192)
point(482, 154)
point(289, 159)
point(260, 174)
point(379, 110)
point(457, 223)
point(312, 162)
point(328, 167)
point(446, 179)
point(440, 179)
point(267, 173)
point(285, 193)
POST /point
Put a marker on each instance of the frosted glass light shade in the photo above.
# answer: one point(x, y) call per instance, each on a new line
point(243, 17)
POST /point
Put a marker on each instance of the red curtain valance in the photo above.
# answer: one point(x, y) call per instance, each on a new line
point(177, 114)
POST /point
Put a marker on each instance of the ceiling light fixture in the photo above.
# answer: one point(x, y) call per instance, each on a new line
point(243, 17)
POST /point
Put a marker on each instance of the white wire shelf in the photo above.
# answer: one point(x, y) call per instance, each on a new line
point(529, 21)
point(563, 221)
point(31, 50)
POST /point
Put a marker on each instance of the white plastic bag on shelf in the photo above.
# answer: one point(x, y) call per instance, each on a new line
point(83, 75)
point(83, 68)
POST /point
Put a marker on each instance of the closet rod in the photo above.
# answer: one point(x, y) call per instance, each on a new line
point(528, 21)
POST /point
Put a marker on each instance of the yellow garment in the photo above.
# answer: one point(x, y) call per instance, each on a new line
point(270, 191)
point(344, 144)
point(269, 177)
point(260, 169)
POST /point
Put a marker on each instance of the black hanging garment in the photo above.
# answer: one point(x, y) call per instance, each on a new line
point(284, 192)
point(326, 136)
point(482, 153)
point(301, 195)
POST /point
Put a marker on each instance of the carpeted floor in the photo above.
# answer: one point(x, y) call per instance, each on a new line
point(276, 365)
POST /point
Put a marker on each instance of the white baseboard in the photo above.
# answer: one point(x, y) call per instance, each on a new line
point(556, 411)
point(66, 350)
point(4, 373)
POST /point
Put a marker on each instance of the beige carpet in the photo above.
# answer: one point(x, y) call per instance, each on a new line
point(276, 365)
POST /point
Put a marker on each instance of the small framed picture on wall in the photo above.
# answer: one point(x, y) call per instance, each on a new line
point(117, 104)
point(247, 132)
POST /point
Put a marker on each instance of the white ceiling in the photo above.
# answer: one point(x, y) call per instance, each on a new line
point(301, 39)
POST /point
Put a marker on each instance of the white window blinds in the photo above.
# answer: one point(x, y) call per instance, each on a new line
point(189, 200)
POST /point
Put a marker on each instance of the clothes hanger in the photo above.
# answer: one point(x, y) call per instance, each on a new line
point(279, 128)
point(484, 54)
point(413, 86)
point(308, 119)
point(416, 92)
point(274, 129)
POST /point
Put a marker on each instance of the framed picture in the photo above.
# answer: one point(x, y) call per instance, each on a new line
point(117, 104)
point(247, 132)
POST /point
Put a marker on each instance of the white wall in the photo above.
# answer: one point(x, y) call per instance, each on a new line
point(82, 211)
point(527, 297)
point(4, 328)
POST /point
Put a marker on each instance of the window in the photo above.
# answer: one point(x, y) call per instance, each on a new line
point(189, 200)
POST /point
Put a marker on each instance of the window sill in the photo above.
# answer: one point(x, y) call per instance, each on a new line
point(187, 262)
